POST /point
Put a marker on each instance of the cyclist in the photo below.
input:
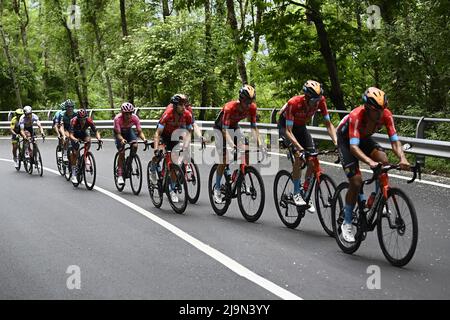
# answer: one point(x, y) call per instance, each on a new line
point(78, 131)
point(227, 120)
point(56, 119)
point(292, 126)
point(64, 123)
point(123, 123)
point(356, 144)
point(26, 127)
point(15, 132)
point(175, 116)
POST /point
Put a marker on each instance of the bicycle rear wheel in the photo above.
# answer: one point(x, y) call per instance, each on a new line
point(89, 172)
point(193, 181)
point(397, 228)
point(323, 194)
point(283, 191)
point(136, 174)
point(219, 208)
point(59, 161)
point(250, 188)
point(337, 216)
point(179, 187)
point(119, 187)
point(154, 190)
point(28, 163)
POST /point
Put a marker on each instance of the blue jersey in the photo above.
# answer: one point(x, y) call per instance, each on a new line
point(65, 118)
point(57, 117)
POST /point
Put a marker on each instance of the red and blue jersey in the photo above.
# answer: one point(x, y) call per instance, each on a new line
point(299, 113)
point(171, 120)
point(231, 114)
point(76, 126)
point(355, 126)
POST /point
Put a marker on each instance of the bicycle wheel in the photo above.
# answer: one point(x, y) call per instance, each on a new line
point(397, 227)
point(283, 190)
point(115, 170)
point(67, 166)
point(323, 194)
point(337, 216)
point(250, 188)
point(193, 181)
point(38, 161)
point(59, 163)
point(155, 190)
point(179, 187)
point(219, 209)
point(19, 157)
point(136, 175)
point(89, 172)
point(28, 163)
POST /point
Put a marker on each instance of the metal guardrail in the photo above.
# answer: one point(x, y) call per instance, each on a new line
point(419, 147)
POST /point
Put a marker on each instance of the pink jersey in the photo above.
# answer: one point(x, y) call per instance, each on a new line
point(119, 123)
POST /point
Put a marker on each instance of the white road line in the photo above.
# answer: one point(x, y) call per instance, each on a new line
point(213, 253)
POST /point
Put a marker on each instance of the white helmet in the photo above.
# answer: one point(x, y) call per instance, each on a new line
point(27, 110)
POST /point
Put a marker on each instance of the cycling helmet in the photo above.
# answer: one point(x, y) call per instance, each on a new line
point(127, 107)
point(82, 114)
point(178, 98)
point(247, 92)
point(27, 110)
point(69, 104)
point(62, 106)
point(313, 89)
point(375, 98)
point(18, 112)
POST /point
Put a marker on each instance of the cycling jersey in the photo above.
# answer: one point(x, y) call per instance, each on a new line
point(27, 122)
point(354, 126)
point(65, 118)
point(57, 117)
point(15, 126)
point(298, 112)
point(230, 115)
point(120, 125)
point(75, 125)
point(171, 120)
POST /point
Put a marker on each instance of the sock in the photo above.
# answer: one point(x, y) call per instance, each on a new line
point(296, 186)
point(348, 213)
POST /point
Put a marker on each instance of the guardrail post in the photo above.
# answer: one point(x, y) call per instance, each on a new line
point(10, 115)
point(315, 120)
point(91, 113)
point(136, 111)
point(273, 116)
point(420, 134)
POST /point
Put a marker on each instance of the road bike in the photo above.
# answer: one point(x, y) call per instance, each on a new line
point(192, 177)
point(86, 167)
point(132, 170)
point(34, 160)
point(392, 213)
point(321, 187)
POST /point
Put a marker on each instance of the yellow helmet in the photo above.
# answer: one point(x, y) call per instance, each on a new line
point(247, 92)
point(18, 112)
point(375, 98)
point(313, 89)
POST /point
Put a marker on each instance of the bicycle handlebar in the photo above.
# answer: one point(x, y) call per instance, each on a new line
point(416, 169)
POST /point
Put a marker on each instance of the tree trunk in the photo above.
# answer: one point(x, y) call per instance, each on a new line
point(208, 58)
point(23, 23)
point(238, 43)
point(166, 11)
point(11, 67)
point(259, 12)
point(128, 83)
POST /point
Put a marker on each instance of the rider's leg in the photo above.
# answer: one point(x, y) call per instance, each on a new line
point(14, 147)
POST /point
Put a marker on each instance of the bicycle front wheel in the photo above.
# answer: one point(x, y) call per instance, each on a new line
point(219, 208)
point(59, 163)
point(154, 190)
point(397, 228)
point(38, 161)
point(251, 194)
point(283, 190)
point(192, 177)
point(119, 187)
point(136, 174)
point(323, 194)
point(177, 190)
point(89, 171)
point(337, 217)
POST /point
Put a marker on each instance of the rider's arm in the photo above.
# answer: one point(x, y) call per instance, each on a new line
point(197, 130)
point(357, 152)
point(291, 137)
point(331, 131)
point(157, 137)
point(13, 126)
point(40, 127)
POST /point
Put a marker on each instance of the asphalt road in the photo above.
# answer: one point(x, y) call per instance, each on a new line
point(48, 225)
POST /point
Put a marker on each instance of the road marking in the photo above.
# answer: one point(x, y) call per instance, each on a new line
point(228, 262)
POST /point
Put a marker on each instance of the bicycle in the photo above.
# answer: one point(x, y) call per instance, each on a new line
point(35, 159)
point(20, 152)
point(192, 177)
point(164, 179)
point(384, 214)
point(238, 185)
point(132, 169)
point(86, 173)
point(322, 185)
point(59, 156)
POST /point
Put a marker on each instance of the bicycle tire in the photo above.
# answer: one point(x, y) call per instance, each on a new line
point(251, 217)
point(115, 166)
point(401, 261)
point(38, 161)
point(58, 160)
point(91, 157)
point(180, 183)
point(325, 215)
point(136, 159)
point(277, 198)
point(337, 216)
point(154, 188)
point(211, 186)
point(196, 184)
